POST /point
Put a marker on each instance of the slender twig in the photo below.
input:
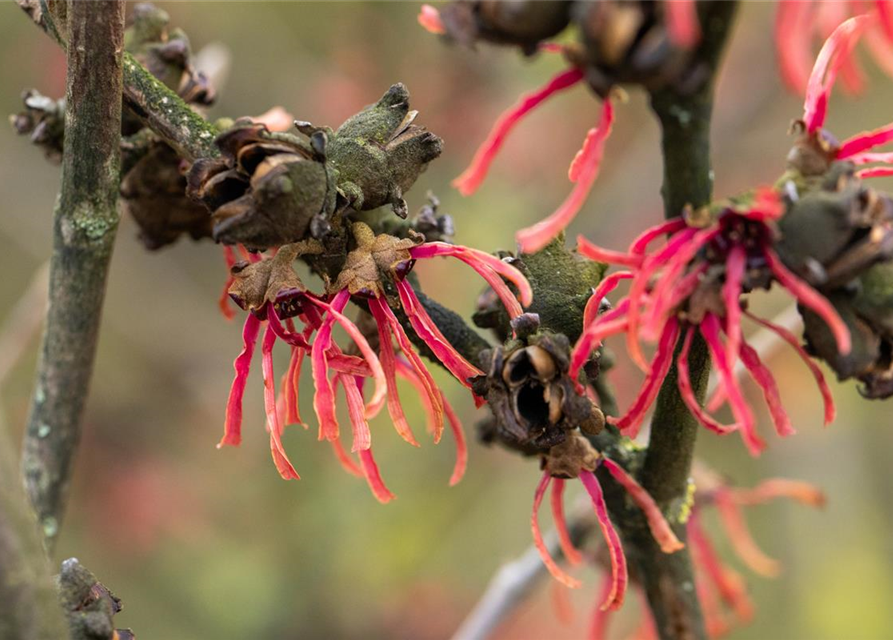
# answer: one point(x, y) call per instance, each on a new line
point(85, 222)
point(514, 581)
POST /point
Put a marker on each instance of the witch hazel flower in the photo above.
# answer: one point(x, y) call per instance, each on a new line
point(799, 22)
point(273, 294)
point(575, 457)
point(722, 591)
point(816, 149)
point(692, 286)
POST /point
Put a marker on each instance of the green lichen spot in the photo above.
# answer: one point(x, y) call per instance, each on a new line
point(43, 430)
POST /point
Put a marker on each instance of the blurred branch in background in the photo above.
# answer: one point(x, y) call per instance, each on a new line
point(517, 579)
point(85, 222)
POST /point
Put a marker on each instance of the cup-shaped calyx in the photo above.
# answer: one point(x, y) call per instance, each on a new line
point(269, 189)
point(533, 399)
point(259, 285)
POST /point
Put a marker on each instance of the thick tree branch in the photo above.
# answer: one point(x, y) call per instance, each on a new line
point(688, 180)
point(85, 222)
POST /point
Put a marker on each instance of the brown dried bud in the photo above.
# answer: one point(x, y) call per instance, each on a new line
point(515, 22)
point(43, 120)
point(89, 606)
point(154, 193)
point(531, 396)
point(568, 459)
point(166, 53)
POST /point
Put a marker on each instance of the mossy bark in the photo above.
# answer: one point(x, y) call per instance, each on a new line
point(84, 225)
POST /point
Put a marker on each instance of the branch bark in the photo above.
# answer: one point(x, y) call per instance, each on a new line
point(688, 180)
point(85, 222)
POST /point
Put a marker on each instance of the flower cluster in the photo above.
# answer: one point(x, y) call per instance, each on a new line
point(692, 285)
point(270, 290)
point(721, 589)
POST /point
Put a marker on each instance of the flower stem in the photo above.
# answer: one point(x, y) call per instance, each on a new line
point(85, 222)
point(684, 118)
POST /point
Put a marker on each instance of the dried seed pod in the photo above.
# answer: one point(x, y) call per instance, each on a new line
point(154, 193)
point(379, 153)
point(269, 189)
point(532, 398)
point(43, 120)
point(264, 189)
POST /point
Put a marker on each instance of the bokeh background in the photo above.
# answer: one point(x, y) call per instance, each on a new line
point(202, 543)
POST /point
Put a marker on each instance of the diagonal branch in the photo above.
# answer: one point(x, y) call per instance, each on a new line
point(85, 222)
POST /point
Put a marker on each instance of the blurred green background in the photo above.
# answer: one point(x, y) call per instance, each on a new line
point(202, 543)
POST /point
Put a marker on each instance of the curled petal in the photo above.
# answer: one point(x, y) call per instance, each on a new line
point(615, 549)
point(811, 298)
point(429, 333)
point(557, 572)
point(609, 324)
point(431, 395)
point(274, 426)
point(710, 329)
point(629, 423)
point(834, 53)
point(333, 310)
point(802, 492)
point(729, 584)
point(389, 364)
point(599, 254)
point(232, 424)
point(736, 263)
point(292, 382)
point(585, 169)
point(640, 244)
point(606, 286)
point(347, 462)
point(429, 18)
point(660, 528)
point(688, 394)
point(461, 446)
point(640, 285)
point(865, 141)
point(682, 23)
point(324, 396)
point(487, 267)
point(290, 337)
point(766, 381)
point(564, 537)
point(351, 365)
point(666, 300)
point(792, 30)
point(739, 536)
point(874, 172)
point(362, 439)
point(373, 477)
point(598, 629)
point(791, 339)
point(474, 175)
